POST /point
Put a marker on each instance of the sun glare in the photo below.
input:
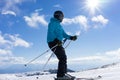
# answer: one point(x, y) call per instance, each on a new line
point(92, 5)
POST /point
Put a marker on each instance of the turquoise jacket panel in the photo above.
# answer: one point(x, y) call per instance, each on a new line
point(55, 31)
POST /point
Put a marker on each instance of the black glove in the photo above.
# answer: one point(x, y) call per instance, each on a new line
point(59, 43)
point(73, 38)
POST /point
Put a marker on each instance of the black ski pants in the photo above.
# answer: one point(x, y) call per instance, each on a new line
point(60, 53)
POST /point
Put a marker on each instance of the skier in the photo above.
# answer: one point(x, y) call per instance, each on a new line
point(55, 35)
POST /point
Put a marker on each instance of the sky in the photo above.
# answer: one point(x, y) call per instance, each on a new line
point(24, 23)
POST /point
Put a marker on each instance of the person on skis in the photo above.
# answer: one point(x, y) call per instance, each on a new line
point(55, 36)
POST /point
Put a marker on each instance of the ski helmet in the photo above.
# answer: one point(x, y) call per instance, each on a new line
point(59, 15)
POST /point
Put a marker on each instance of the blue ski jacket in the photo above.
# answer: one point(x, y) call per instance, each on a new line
point(55, 31)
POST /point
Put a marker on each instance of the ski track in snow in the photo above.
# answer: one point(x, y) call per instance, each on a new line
point(110, 73)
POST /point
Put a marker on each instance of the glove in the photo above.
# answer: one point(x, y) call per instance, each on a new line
point(73, 38)
point(59, 43)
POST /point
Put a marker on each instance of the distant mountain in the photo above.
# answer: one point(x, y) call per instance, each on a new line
point(109, 65)
point(52, 71)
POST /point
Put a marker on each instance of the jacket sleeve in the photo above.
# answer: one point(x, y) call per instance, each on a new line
point(60, 33)
point(65, 35)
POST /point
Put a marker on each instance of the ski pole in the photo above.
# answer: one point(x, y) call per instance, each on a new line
point(48, 60)
point(40, 55)
point(52, 54)
point(68, 44)
point(54, 51)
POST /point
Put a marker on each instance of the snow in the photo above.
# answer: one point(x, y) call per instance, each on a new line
point(110, 72)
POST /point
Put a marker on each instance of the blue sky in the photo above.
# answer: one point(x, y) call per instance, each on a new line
point(23, 30)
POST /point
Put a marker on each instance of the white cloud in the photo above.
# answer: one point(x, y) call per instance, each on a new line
point(7, 57)
point(100, 20)
point(87, 58)
point(106, 57)
point(10, 7)
point(69, 33)
point(57, 6)
point(11, 60)
point(7, 43)
point(16, 60)
point(4, 43)
point(18, 41)
point(78, 33)
point(8, 12)
point(85, 22)
point(37, 10)
point(35, 19)
point(3, 40)
point(114, 53)
point(82, 20)
point(67, 21)
point(21, 42)
point(4, 52)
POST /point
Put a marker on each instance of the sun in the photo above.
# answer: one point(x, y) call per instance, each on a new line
point(92, 5)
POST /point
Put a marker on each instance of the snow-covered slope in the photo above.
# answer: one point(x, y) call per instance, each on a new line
point(106, 72)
